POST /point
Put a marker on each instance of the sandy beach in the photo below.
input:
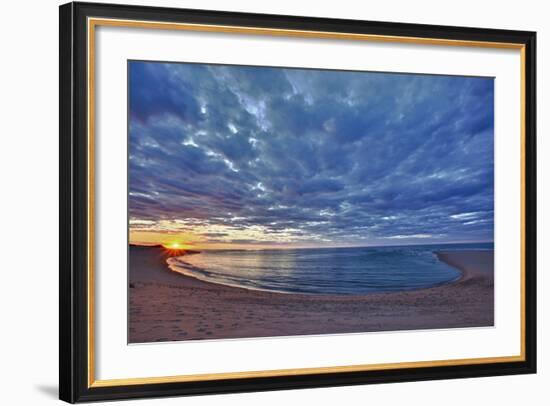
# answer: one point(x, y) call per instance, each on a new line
point(167, 306)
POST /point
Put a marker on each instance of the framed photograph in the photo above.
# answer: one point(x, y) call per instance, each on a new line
point(255, 202)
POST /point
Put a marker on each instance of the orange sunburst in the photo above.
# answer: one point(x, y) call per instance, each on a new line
point(175, 248)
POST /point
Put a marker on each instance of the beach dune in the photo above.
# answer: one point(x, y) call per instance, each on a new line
point(167, 306)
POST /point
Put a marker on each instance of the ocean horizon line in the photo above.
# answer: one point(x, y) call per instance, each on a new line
point(153, 245)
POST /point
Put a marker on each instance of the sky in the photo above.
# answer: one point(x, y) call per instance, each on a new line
point(252, 157)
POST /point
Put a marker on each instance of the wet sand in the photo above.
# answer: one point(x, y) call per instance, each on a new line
point(166, 306)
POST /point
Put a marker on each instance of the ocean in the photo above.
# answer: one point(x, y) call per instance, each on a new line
point(348, 271)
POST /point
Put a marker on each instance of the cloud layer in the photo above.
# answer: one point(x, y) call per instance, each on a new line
point(233, 154)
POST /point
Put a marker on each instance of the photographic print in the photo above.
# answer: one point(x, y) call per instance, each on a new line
point(268, 201)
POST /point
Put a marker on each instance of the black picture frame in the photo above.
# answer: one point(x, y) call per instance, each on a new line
point(74, 384)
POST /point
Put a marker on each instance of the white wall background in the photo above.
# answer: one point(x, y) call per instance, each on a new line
point(29, 189)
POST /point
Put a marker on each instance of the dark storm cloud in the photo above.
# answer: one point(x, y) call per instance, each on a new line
point(342, 157)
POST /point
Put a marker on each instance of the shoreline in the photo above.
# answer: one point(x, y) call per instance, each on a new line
point(442, 255)
point(469, 271)
point(166, 305)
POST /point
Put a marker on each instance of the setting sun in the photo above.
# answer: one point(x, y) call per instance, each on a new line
point(175, 246)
